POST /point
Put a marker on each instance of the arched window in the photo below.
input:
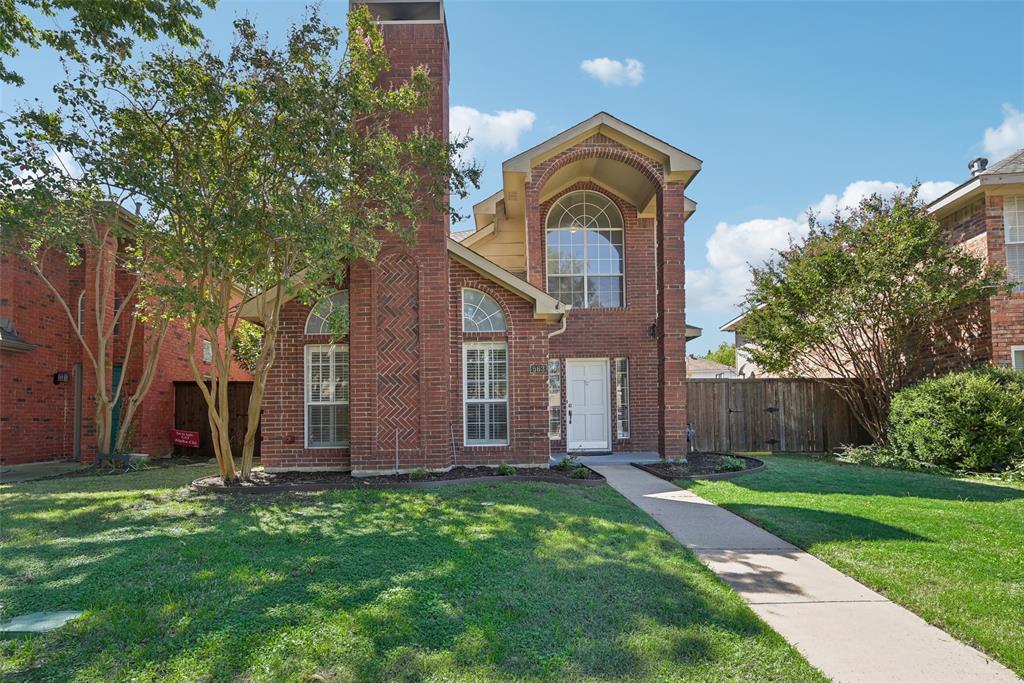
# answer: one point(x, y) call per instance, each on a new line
point(584, 251)
point(481, 313)
point(319, 318)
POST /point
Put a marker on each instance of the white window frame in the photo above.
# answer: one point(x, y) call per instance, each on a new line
point(586, 257)
point(621, 369)
point(1018, 225)
point(81, 312)
point(1014, 350)
point(555, 397)
point(466, 401)
point(306, 377)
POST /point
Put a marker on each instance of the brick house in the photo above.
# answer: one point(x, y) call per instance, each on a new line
point(986, 215)
point(555, 325)
point(47, 382)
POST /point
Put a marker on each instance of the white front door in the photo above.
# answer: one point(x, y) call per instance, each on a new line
point(587, 405)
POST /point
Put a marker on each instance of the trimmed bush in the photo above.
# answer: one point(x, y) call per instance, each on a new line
point(971, 420)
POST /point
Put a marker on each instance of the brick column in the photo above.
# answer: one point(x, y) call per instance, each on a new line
point(671, 323)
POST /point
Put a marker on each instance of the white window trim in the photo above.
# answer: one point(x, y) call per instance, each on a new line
point(305, 400)
point(555, 399)
point(466, 400)
point(586, 262)
point(622, 435)
point(81, 312)
point(1014, 350)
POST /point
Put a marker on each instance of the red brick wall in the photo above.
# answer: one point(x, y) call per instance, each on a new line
point(655, 278)
point(527, 341)
point(36, 415)
point(283, 418)
point(619, 332)
point(1007, 309)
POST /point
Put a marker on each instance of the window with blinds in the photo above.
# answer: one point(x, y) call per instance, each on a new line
point(1013, 224)
point(327, 394)
point(622, 397)
point(485, 393)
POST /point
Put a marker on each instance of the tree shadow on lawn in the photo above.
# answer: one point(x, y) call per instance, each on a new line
point(798, 474)
point(808, 526)
point(380, 585)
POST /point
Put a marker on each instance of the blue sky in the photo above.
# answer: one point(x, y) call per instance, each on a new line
point(790, 105)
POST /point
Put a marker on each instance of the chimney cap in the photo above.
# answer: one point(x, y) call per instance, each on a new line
point(977, 165)
point(403, 11)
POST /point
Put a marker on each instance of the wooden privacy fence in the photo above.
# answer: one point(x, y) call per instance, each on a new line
point(796, 415)
point(190, 414)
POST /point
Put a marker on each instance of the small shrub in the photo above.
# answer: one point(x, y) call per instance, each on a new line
point(579, 473)
point(567, 463)
point(967, 421)
point(506, 470)
point(875, 455)
point(727, 463)
point(419, 473)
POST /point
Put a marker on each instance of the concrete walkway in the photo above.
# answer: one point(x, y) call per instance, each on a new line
point(845, 629)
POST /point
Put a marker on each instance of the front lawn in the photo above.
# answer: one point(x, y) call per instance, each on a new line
point(548, 582)
point(951, 550)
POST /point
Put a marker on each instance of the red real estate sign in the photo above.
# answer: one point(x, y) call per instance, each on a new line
point(185, 438)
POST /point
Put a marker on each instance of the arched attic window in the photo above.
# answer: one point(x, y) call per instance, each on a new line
point(319, 318)
point(585, 251)
point(481, 313)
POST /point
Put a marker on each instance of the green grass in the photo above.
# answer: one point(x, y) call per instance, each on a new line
point(549, 582)
point(951, 550)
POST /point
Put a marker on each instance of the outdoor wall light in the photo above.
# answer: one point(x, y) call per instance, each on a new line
point(60, 378)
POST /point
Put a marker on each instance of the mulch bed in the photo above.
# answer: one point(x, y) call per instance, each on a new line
point(701, 466)
point(276, 482)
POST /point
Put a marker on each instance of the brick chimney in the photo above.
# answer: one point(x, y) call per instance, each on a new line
point(400, 364)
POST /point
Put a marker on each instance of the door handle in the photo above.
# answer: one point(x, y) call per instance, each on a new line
point(570, 415)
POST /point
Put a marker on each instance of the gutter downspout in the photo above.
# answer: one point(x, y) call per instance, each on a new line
point(565, 320)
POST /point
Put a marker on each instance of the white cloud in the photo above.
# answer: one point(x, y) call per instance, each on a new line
point(732, 247)
point(614, 72)
point(499, 131)
point(1008, 137)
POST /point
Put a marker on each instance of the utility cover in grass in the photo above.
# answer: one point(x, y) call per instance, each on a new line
point(37, 622)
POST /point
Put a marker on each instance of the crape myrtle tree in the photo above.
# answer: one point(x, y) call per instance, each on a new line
point(271, 169)
point(856, 302)
point(90, 30)
point(56, 211)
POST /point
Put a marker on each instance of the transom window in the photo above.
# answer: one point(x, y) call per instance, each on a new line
point(1013, 224)
point(584, 251)
point(485, 393)
point(481, 313)
point(319, 320)
point(327, 393)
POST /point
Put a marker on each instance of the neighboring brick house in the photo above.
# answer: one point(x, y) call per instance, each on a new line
point(556, 325)
point(46, 381)
point(986, 215)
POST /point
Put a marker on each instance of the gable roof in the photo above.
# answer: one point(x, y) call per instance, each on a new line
point(677, 162)
point(1008, 171)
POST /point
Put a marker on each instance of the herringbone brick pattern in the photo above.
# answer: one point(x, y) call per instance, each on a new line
point(398, 359)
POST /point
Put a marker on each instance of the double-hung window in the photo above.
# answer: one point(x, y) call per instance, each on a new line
point(1013, 229)
point(327, 395)
point(1017, 357)
point(485, 392)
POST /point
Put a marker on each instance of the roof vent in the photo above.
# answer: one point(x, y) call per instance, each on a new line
point(978, 165)
point(403, 11)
